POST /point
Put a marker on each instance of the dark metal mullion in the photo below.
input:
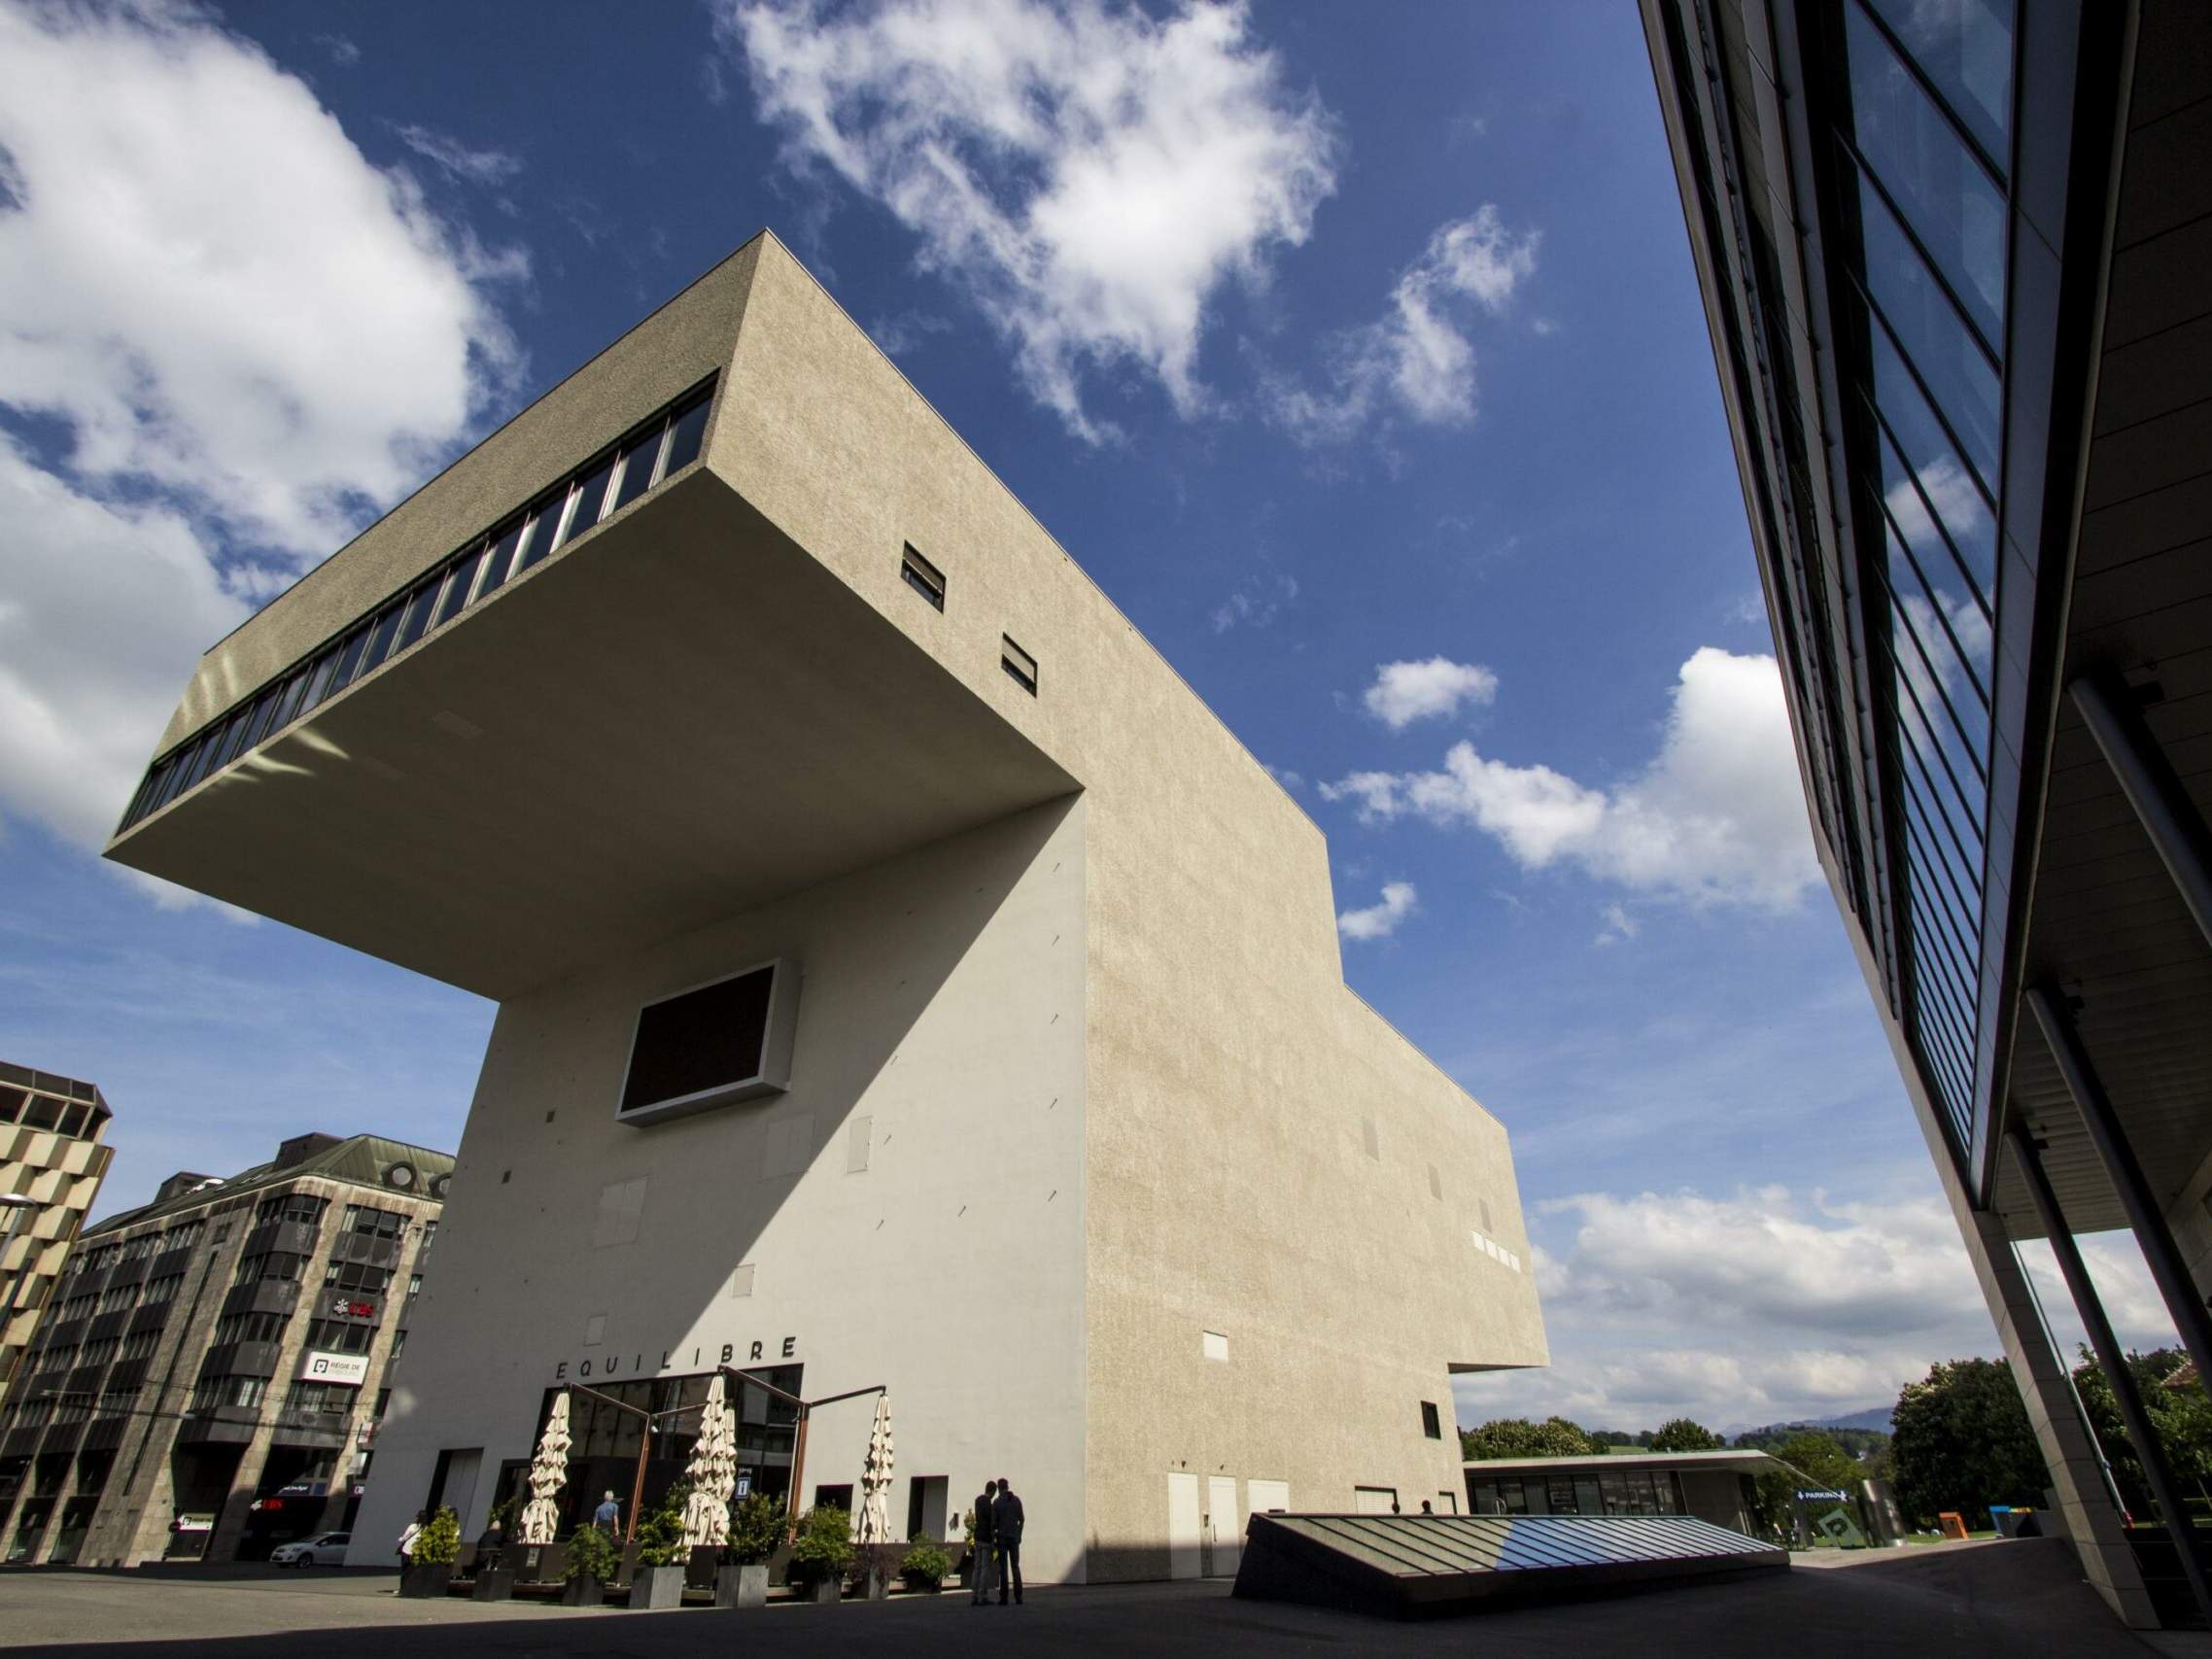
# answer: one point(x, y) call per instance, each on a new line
point(1983, 487)
point(1888, 434)
point(1935, 603)
point(1954, 929)
point(1933, 926)
point(1981, 820)
point(1899, 614)
point(1938, 809)
point(1918, 816)
point(1941, 1066)
point(1920, 249)
point(1942, 103)
point(1953, 1002)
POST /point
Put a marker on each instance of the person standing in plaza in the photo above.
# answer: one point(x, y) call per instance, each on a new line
point(608, 1517)
point(407, 1541)
point(1005, 1529)
point(980, 1572)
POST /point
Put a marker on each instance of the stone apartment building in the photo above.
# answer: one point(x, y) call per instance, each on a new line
point(51, 1155)
point(210, 1379)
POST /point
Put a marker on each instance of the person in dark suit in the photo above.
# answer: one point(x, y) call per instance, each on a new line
point(1006, 1532)
point(980, 1574)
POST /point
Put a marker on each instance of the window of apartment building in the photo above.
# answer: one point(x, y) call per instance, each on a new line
point(58, 1359)
point(382, 1398)
point(339, 1336)
point(269, 1265)
point(122, 1297)
point(119, 1401)
point(249, 1327)
point(320, 1400)
point(161, 1289)
point(414, 1286)
point(1019, 666)
point(183, 1237)
point(139, 1344)
point(291, 1207)
point(430, 1235)
point(358, 1276)
point(925, 578)
point(76, 1306)
point(104, 1258)
point(140, 1248)
point(398, 1341)
point(376, 1224)
point(98, 1353)
point(212, 1392)
point(1431, 1425)
point(71, 1408)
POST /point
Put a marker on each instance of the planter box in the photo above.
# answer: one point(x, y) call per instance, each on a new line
point(582, 1591)
point(657, 1587)
point(873, 1583)
point(742, 1586)
point(426, 1583)
point(923, 1586)
point(494, 1584)
point(538, 1563)
point(701, 1566)
point(826, 1592)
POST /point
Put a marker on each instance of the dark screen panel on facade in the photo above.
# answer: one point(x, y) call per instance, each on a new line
point(701, 1040)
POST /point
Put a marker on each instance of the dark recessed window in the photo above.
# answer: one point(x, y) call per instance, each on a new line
point(637, 463)
point(1431, 1425)
point(591, 495)
point(684, 438)
point(925, 578)
point(1019, 664)
point(415, 620)
point(380, 639)
point(715, 1043)
point(458, 588)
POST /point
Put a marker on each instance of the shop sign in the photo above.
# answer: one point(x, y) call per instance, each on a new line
point(193, 1524)
point(744, 1488)
point(1822, 1494)
point(634, 1364)
point(344, 1305)
point(351, 1369)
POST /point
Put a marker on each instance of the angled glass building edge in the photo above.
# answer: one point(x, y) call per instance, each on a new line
point(1951, 261)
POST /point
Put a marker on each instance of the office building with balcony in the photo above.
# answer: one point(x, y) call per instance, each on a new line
point(1952, 260)
point(209, 1379)
point(52, 1163)
point(904, 978)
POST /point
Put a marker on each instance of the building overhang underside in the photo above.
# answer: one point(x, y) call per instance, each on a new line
point(682, 717)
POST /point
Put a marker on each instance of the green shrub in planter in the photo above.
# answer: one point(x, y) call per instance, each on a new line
point(756, 1527)
point(439, 1544)
point(925, 1566)
point(823, 1549)
point(592, 1554)
point(660, 1535)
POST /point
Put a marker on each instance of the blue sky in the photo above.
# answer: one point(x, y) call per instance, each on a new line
point(1355, 351)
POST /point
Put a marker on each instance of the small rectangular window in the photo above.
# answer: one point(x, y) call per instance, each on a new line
point(459, 586)
point(637, 463)
point(500, 562)
point(349, 658)
point(1020, 666)
point(590, 496)
point(415, 620)
point(928, 581)
point(684, 438)
point(380, 639)
point(1431, 1425)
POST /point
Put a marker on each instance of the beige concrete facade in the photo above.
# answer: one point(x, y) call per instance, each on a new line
point(1150, 1197)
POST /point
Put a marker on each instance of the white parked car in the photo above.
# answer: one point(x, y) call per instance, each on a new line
point(330, 1548)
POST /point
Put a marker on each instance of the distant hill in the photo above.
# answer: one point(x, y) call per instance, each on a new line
point(1874, 1417)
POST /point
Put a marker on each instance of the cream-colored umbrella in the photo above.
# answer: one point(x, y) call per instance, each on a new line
point(548, 1474)
point(712, 1472)
point(873, 1525)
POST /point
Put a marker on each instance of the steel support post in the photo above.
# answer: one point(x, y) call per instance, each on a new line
point(2142, 1433)
point(2169, 816)
point(2160, 1252)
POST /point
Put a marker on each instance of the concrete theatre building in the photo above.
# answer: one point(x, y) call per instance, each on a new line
point(903, 977)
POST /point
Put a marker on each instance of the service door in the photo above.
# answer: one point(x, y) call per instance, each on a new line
point(1224, 1524)
point(1261, 1495)
point(1184, 1528)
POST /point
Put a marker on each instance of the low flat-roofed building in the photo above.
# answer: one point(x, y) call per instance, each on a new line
point(904, 978)
point(209, 1382)
point(1713, 1486)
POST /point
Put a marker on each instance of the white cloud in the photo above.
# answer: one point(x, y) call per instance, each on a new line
point(1718, 817)
point(458, 161)
point(1416, 360)
point(1620, 926)
point(1255, 603)
point(1291, 781)
point(1379, 921)
point(1768, 1305)
point(245, 335)
point(1407, 691)
point(1092, 175)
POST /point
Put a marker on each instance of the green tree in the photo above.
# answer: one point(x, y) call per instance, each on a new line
point(1518, 1438)
point(1961, 1442)
point(2181, 1417)
point(1682, 1434)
